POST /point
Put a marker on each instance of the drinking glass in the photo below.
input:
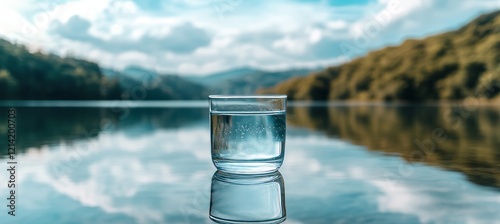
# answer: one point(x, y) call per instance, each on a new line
point(247, 198)
point(247, 133)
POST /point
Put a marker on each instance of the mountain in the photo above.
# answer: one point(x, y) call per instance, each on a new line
point(110, 73)
point(37, 76)
point(251, 82)
point(245, 80)
point(139, 73)
point(143, 84)
point(215, 78)
point(451, 66)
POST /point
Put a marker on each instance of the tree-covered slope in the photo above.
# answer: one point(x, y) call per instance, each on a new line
point(36, 76)
point(33, 76)
point(450, 66)
point(251, 82)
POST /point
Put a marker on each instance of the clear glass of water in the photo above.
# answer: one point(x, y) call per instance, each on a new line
point(248, 133)
point(247, 198)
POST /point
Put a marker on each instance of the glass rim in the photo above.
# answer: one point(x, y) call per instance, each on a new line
point(264, 96)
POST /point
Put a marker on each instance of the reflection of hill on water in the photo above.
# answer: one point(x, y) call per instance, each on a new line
point(464, 140)
point(37, 126)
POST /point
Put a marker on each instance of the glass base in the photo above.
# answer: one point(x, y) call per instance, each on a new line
point(247, 167)
point(272, 221)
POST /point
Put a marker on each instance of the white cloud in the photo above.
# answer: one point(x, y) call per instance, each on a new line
point(315, 36)
point(132, 168)
point(336, 25)
point(292, 46)
point(265, 34)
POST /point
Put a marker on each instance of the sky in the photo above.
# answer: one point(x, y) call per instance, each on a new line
point(199, 37)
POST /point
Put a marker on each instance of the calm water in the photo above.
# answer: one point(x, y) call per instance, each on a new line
point(248, 143)
point(343, 164)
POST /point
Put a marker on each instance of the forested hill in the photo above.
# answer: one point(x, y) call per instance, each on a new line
point(37, 76)
point(25, 75)
point(450, 66)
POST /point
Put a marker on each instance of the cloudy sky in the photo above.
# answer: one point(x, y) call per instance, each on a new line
point(205, 36)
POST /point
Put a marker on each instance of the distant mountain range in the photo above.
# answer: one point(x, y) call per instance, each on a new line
point(38, 76)
point(451, 66)
point(243, 80)
point(249, 83)
point(216, 78)
point(141, 84)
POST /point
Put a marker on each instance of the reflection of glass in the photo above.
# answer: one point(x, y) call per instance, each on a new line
point(247, 198)
point(248, 133)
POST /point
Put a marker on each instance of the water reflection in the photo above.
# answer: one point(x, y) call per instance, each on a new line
point(154, 166)
point(247, 198)
point(455, 138)
point(39, 126)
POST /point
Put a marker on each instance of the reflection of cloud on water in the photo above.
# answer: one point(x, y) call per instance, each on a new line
point(434, 202)
point(144, 178)
point(332, 170)
point(164, 177)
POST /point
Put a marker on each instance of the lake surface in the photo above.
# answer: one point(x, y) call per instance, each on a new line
point(344, 163)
